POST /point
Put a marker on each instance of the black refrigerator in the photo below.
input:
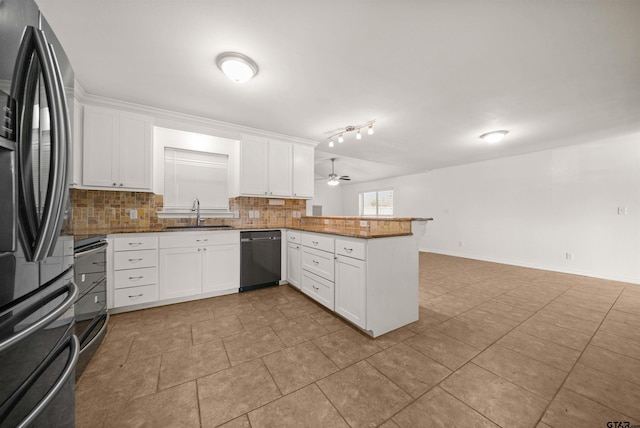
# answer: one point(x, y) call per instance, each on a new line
point(38, 350)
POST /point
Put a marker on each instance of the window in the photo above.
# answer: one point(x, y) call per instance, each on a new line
point(191, 174)
point(378, 203)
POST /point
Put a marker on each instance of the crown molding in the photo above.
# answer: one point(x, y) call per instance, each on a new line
point(172, 119)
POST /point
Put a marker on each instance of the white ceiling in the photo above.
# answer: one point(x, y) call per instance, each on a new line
point(433, 74)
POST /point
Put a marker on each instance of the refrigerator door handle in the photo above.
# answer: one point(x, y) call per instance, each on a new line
point(41, 238)
point(64, 155)
point(72, 289)
point(55, 200)
point(74, 349)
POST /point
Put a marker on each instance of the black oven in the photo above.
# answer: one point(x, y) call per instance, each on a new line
point(91, 304)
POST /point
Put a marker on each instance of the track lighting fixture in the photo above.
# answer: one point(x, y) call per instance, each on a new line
point(350, 128)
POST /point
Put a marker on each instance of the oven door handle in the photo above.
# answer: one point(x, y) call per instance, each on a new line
point(72, 289)
point(90, 328)
point(74, 349)
point(91, 250)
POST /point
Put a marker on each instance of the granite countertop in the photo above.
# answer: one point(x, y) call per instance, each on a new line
point(347, 231)
point(352, 233)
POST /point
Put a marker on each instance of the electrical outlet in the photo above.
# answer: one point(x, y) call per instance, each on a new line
point(363, 223)
point(569, 256)
point(251, 214)
point(326, 221)
point(256, 214)
point(622, 210)
point(236, 214)
point(133, 214)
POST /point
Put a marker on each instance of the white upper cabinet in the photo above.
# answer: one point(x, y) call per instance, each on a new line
point(265, 167)
point(253, 167)
point(303, 157)
point(273, 168)
point(280, 168)
point(116, 149)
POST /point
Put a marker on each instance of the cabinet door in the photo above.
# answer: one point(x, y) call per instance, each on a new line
point(293, 264)
point(253, 167)
point(303, 170)
point(100, 152)
point(180, 272)
point(221, 268)
point(350, 289)
point(280, 168)
point(135, 151)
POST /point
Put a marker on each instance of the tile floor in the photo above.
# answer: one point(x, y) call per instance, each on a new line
point(495, 345)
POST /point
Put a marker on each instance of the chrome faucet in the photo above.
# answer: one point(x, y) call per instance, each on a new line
point(196, 208)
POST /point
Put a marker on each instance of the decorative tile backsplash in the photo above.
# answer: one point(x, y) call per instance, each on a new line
point(105, 211)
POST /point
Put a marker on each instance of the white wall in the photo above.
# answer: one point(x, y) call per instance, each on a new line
point(531, 210)
point(330, 197)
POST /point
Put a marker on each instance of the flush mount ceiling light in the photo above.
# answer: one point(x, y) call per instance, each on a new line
point(494, 136)
point(350, 128)
point(236, 66)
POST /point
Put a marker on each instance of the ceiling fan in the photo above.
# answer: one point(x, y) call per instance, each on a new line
point(334, 179)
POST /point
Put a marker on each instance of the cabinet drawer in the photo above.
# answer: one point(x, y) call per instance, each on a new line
point(135, 259)
point(135, 295)
point(355, 249)
point(199, 239)
point(135, 243)
point(294, 237)
point(319, 242)
point(318, 289)
point(135, 277)
point(319, 262)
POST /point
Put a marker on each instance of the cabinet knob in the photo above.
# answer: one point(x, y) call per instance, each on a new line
point(114, 184)
point(121, 184)
point(199, 249)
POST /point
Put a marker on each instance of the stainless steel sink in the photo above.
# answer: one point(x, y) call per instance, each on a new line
point(202, 226)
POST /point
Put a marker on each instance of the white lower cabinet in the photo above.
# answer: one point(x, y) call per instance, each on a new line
point(221, 268)
point(193, 263)
point(293, 264)
point(318, 288)
point(180, 272)
point(372, 283)
point(134, 273)
point(168, 267)
point(316, 263)
point(135, 295)
point(350, 289)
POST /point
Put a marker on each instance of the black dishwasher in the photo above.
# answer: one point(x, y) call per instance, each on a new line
point(260, 259)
